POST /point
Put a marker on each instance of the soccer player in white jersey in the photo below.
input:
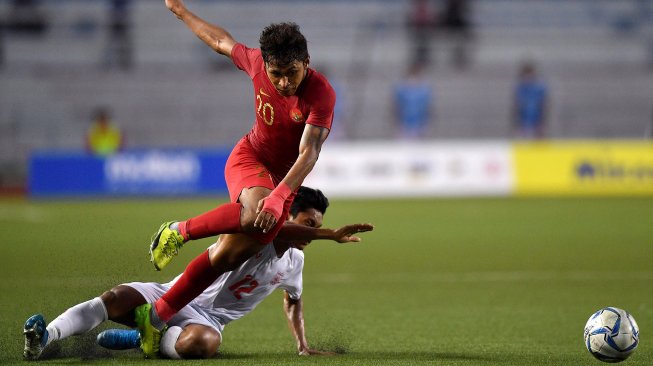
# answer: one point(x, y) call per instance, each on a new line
point(196, 331)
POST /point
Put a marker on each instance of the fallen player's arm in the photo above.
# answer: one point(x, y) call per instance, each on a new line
point(295, 315)
point(345, 234)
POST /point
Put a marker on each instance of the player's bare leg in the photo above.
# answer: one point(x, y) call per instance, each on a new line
point(232, 251)
point(194, 341)
point(120, 302)
point(116, 304)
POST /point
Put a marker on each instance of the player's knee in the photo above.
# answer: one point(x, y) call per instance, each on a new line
point(120, 302)
point(109, 298)
point(196, 343)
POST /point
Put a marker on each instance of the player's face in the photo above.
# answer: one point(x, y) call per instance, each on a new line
point(286, 79)
point(310, 217)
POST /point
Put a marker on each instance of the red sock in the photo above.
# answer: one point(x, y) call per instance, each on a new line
point(224, 219)
point(196, 278)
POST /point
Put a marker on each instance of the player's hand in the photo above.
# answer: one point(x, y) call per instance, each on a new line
point(175, 6)
point(346, 233)
point(268, 213)
point(270, 208)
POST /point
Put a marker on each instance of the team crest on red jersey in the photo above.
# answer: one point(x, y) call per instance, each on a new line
point(296, 115)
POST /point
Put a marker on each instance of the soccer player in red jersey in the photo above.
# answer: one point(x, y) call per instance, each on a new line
point(196, 331)
point(294, 110)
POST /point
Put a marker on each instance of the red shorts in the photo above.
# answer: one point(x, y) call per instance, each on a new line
point(243, 170)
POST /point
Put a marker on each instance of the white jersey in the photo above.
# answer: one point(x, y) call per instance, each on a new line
point(238, 292)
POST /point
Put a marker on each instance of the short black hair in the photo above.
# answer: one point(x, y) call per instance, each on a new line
point(308, 198)
point(283, 43)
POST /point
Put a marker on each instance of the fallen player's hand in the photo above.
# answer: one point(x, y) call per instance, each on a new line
point(346, 233)
point(314, 352)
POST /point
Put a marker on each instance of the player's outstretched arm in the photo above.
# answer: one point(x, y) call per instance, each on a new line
point(346, 234)
point(214, 36)
point(295, 315)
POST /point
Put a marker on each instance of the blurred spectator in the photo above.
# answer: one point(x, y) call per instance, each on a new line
point(103, 137)
point(457, 27)
point(119, 43)
point(649, 128)
point(340, 127)
point(25, 17)
point(530, 104)
point(421, 25)
point(2, 44)
point(413, 99)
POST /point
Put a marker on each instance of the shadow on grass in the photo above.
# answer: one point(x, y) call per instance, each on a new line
point(420, 356)
point(387, 355)
point(83, 349)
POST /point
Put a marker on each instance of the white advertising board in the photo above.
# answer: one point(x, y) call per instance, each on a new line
point(405, 169)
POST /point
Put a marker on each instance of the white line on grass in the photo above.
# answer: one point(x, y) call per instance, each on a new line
point(490, 276)
point(22, 214)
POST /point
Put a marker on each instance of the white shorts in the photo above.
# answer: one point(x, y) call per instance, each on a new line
point(189, 314)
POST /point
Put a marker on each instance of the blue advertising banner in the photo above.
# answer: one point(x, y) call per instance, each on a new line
point(129, 173)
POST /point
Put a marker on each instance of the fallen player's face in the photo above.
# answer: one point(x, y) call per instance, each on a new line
point(286, 78)
point(310, 217)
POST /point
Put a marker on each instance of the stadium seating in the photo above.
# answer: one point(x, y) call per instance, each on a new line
point(596, 56)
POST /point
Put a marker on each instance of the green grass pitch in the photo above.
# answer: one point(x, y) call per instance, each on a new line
point(439, 282)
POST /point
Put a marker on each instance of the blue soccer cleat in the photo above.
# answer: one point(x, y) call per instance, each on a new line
point(119, 339)
point(36, 337)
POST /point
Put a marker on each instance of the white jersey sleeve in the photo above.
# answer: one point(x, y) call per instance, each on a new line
point(293, 284)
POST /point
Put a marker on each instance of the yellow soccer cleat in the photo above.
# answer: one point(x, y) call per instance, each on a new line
point(165, 245)
point(150, 336)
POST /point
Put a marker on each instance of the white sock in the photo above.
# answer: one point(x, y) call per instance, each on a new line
point(168, 342)
point(77, 320)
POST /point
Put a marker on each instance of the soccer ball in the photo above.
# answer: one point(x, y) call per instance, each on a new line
point(611, 334)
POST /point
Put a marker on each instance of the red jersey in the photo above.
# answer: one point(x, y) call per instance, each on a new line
point(280, 120)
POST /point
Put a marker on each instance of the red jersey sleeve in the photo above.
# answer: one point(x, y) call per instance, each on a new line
point(245, 58)
point(324, 100)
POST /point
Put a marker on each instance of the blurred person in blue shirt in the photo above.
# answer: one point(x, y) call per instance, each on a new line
point(341, 129)
point(413, 99)
point(530, 104)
